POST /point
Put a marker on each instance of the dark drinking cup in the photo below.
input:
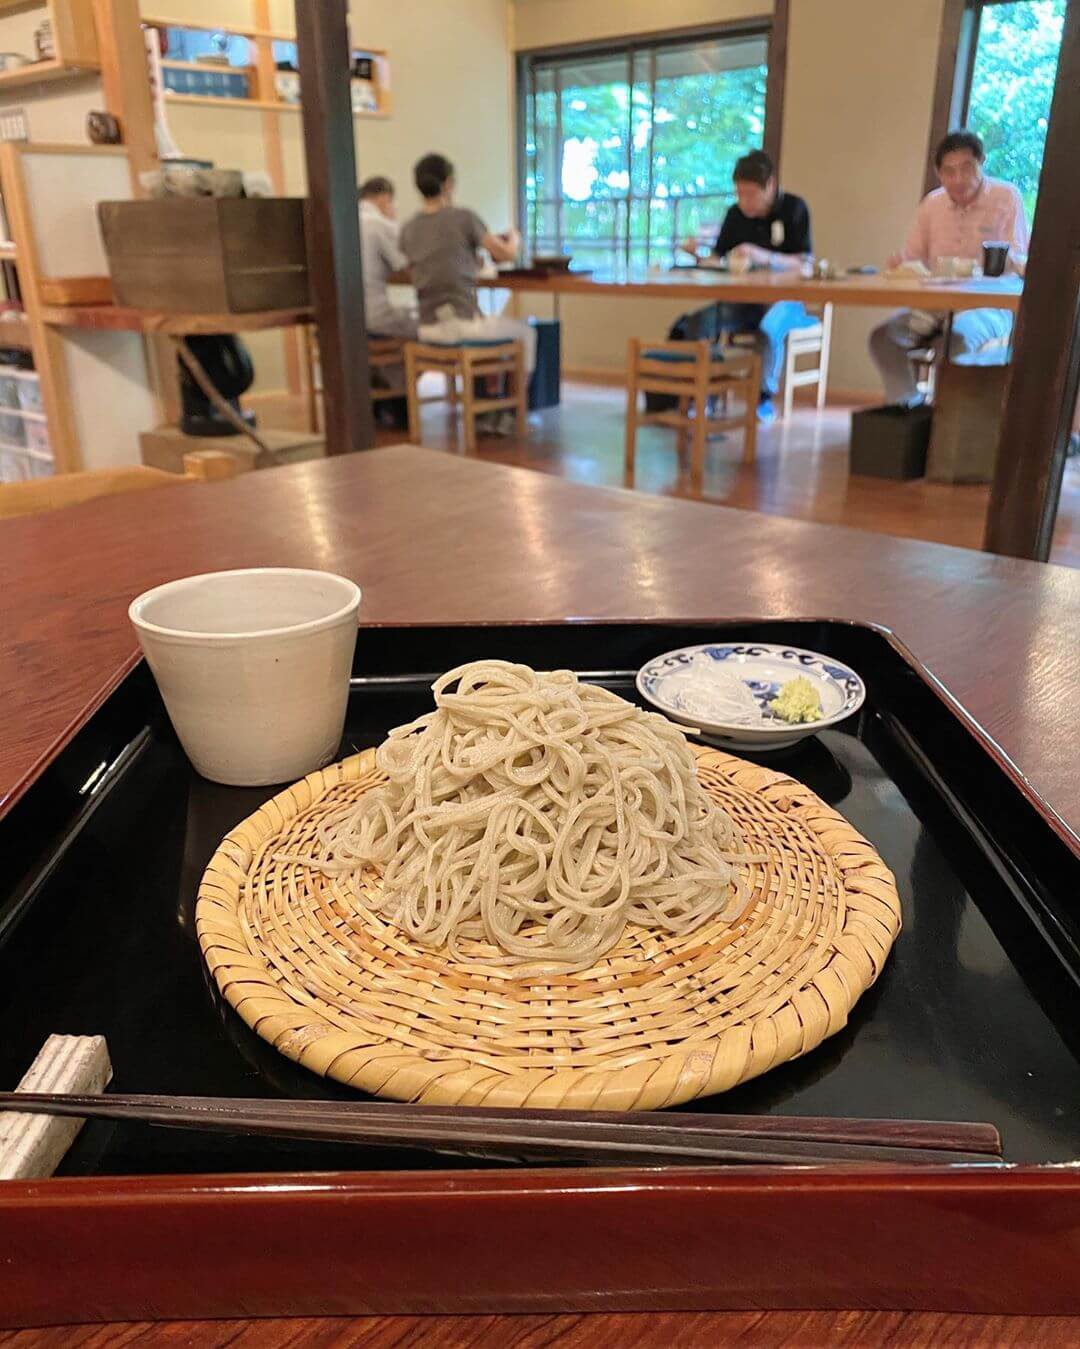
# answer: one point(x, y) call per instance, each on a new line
point(995, 256)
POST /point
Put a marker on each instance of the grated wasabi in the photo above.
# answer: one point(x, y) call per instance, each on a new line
point(797, 702)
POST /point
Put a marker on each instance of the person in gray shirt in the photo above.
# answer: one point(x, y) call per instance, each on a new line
point(442, 242)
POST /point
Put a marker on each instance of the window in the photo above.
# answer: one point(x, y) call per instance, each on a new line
point(1009, 56)
point(628, 150)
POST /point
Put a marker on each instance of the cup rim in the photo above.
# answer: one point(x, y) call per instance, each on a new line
point(191, 634)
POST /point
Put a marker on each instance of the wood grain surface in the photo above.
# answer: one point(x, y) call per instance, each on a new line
point(435, 538)
point(801, 469)
point(332, 226)
point(1044, 375)
point(672, 1330)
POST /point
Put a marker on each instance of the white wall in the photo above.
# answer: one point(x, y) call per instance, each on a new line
point(546, 23)
point(860, 83)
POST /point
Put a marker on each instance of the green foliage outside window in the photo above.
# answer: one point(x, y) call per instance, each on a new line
point(642, 162)
point(1012, 86)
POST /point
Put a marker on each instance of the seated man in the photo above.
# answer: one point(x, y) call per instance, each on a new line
point(381, 256)
point(441, 243)
point(954, 220)
point(766, 228)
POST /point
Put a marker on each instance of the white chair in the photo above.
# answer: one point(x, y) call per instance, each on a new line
point(814, 340)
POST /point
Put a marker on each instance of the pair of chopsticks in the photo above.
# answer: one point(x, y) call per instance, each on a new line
point(648, 1137)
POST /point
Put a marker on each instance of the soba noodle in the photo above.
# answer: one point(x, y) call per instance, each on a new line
point(539, 813)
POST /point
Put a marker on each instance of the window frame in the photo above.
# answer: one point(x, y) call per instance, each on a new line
point(957, 53)
point(772, 27)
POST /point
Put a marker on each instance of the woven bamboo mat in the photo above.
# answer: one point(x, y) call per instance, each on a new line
point(658, 1021)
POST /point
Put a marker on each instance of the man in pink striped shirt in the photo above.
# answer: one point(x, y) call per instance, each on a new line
point(954, 221)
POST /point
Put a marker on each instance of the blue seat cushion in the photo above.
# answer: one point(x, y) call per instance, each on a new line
point(472, 342)
point(675, 357)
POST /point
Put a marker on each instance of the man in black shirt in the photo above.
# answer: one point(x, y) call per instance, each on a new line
point(767, 228)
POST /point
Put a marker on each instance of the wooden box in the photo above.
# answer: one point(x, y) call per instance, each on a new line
point(207, 255)
point(166, 446)
point(890, 441)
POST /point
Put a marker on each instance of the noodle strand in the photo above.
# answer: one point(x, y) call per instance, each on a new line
point(539, 813)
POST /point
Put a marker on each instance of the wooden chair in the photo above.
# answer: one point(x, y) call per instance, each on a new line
point(469, 362)
point(694, 373)
point(37, 495)
point(924, 361)
point(814, 340)
point(383, 354)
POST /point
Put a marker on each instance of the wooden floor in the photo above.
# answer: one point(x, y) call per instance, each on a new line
point(801, 471)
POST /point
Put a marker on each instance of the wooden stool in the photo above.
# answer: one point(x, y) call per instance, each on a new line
point(383, 354)
point(967, 421)
point(692, 372)
point(924, 362)
point(470, 361)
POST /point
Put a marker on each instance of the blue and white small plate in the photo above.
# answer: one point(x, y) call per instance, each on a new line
point(667, 682)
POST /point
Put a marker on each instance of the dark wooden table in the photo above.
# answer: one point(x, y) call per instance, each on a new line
point(432, 538)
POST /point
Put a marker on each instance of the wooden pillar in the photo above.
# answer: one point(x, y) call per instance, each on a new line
point(955, 48)
point(774, 84)
point(1041, 393)
point(263, 49)
point(333, 225)
point(127, 96)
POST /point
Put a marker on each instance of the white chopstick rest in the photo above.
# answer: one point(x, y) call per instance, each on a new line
point(32, 1146)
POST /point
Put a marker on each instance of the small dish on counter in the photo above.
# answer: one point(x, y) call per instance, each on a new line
point(699, 686)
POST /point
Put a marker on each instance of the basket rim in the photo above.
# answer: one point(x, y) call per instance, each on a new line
point(242, 976)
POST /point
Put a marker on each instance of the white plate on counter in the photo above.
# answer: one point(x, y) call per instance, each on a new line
point(683, 686)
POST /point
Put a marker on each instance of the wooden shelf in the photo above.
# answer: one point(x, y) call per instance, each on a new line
point(40, 71)
point(117, 318)
point(256, 104)
point(16, 333)
point(39, 456)
point(204, 67)
point(221, 101)
point(237, 30)
point(23, 413)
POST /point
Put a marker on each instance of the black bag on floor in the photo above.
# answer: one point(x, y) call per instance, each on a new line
point(392, 414)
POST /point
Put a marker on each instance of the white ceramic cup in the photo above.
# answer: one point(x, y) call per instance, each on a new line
point(253, 667)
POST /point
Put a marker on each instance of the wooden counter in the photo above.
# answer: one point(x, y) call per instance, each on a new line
point(435, 538)
point(707, 285)
point(117, 318)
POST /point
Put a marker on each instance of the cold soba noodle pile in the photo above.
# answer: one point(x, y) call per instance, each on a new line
point(540, 814)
